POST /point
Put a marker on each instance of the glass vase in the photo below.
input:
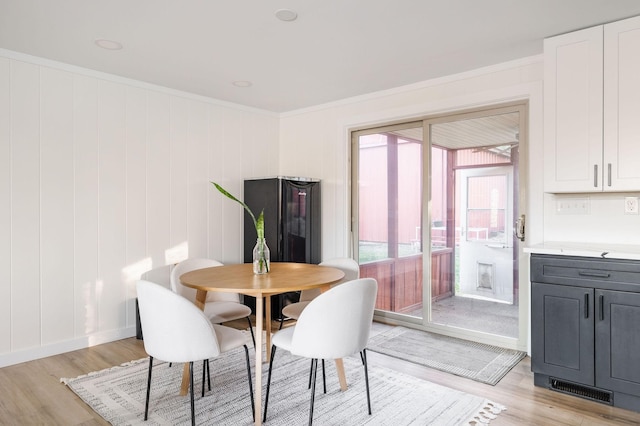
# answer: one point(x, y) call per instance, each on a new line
point(261, 254)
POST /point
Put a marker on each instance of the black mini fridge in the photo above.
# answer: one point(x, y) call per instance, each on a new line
point(291, 225)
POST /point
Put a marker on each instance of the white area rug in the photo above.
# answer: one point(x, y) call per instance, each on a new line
point(118, 395)
point(483, 363)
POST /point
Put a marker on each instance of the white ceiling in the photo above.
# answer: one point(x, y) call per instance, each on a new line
point(334, 50)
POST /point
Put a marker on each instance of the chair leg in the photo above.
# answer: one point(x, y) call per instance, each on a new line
point(146, 404)
point(281, 322)
point(253, 407)
point(193, 408)
point(324, 378)
point(266, 397)
point(363, 354)
point(313, 388)
point(253, 338)
point(208, 376)
point(205, 367)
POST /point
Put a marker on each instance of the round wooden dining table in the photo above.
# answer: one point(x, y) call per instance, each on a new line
point(281, 278)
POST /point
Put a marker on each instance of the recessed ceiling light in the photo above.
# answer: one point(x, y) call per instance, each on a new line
point(108, 44)
point(286, 15)
point(242, 83)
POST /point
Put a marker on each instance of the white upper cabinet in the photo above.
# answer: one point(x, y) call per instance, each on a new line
point(592, 105)
point(622, 105)
point(573, 111)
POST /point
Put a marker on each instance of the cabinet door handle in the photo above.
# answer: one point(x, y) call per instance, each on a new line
point(594, 274)
point(586, 305)
point(601, 303)
point(595, 175)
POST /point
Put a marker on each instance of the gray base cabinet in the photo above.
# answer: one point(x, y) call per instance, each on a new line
point(617, 333)
point(563, 336)
point(585, 327)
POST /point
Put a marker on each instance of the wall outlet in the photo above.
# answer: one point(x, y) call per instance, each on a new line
point(630, 205)
point(570, 205)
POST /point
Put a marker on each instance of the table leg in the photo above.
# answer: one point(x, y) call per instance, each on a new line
point(201, 297)
point(258, 366)
point(267, 316)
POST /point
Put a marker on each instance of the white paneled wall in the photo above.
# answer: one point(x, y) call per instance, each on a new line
point(24, 163)
point(56, 205)
point(85, 205)
point(101, 179)
point(5, 206)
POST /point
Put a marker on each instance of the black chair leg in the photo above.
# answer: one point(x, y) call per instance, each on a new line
point(363, 354)
point(324, 376)
point(146, 404)
point(253, 338)
point(208, 376)
point(266, 397)
point(205, 369)
point(193, 408)
point(281, 322)
point(313, 388)
point(253, 407)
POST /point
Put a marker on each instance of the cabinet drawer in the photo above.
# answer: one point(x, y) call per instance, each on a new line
point(609, 274)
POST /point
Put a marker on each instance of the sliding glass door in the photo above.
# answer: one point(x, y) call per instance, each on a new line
point(436, 202)
point(390, 215)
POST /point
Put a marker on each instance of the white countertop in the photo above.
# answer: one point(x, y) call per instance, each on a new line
point(600, 250)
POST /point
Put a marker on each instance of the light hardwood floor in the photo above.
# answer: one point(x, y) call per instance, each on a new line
point(31, 393)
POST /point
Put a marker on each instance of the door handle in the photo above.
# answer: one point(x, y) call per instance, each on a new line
point(601, 303)
point(520, 227)
point(586, 305)
point(594, 274)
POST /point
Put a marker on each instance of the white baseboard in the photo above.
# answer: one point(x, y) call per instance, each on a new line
point(66, 346)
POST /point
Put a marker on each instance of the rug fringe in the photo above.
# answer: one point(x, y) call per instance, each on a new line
point(489, 411)
point(67, 380)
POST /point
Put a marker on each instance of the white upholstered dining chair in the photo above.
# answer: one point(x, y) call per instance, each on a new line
point(176, 330)
point(334, 325)
point(347, 265)
point(219, 307)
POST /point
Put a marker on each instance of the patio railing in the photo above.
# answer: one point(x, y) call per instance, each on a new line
point(400, 280)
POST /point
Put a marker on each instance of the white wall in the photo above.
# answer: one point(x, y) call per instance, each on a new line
point(101, 179)
point(316, 141)
point(605, 222)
